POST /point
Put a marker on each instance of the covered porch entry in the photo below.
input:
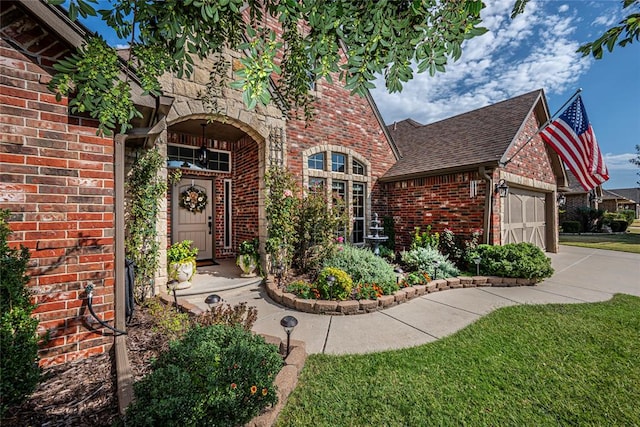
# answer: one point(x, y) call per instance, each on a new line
point(214, 172)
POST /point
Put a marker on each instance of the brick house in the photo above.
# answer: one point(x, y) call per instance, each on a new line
point(60, 181)
point(449, 170)
point(621, 199)
point(577, 197)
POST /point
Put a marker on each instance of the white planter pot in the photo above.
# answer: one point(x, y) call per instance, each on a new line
point(247, 264)
point(182, 272)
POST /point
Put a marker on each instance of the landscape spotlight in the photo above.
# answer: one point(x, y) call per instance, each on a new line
point(212, 300)
point(288, 323)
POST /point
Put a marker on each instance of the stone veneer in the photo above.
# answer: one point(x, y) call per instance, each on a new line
point(404, 294)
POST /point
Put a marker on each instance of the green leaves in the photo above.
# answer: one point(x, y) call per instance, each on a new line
point(354, 42)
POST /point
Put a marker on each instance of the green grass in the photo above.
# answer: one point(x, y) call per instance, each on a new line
point(573, 364)
point(628, 242)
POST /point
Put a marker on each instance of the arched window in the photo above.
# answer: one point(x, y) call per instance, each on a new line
point(341, 173)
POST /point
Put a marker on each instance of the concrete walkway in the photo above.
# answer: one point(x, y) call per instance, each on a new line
point(581, 275)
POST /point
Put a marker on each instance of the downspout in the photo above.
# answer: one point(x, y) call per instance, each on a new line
point(488, 203)
point(123, 367)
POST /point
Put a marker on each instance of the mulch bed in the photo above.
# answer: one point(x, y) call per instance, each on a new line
point(83, 392)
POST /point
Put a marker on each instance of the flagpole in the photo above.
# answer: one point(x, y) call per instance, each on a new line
point(544, 125)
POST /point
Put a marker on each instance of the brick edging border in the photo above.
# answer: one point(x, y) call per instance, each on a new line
point(404, 294)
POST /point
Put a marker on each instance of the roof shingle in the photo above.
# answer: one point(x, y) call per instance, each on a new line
point(478, 137)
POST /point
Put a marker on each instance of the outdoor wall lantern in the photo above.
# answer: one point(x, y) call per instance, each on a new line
point(330, 281)
point(288, 323)
point(203, 152)
point(561, 199)
point(501, 188)
point(212, 300)
point(477, 261)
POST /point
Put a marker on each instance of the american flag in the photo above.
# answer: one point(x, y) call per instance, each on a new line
point(572, 137)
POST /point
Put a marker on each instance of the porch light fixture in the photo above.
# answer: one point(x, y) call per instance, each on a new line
point(288, 323)
point(212, 300)
point(561, 199)
point(203, 152)
point(501, 188)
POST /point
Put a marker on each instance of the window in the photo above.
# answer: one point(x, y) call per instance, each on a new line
point(218, 160)
point(342, 175)
point(358, 203)
point(338, 162)
point(357, 168)
point(316, 161)
point(316, 184)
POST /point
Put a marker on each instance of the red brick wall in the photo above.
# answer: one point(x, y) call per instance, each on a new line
point(439, 201)
point(533, 160)
point(56, 176)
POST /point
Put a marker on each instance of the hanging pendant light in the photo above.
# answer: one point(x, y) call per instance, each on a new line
point(203, 152)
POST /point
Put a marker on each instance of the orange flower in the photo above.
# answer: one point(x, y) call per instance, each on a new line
point(234, 386)
point(254, 389)
point(264, 391)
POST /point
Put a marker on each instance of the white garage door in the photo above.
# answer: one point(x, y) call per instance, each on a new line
point(523, 218)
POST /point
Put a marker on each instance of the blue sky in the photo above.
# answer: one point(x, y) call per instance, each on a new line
point(537, 50)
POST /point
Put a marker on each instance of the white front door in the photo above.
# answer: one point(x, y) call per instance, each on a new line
point(195, 226)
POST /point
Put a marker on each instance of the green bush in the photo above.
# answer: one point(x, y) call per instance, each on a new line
point(19, 371)
point(363, 266)
point(303, 289)
point(590, 218)
point(424, 239)
point(417, 278)
point(571, 227)
point(341, 287)
point(425, 260)
point(619, 225)
point(368, 291)
point(628, 214)
point(459, 249)
point(522, 260)
point(215, 375)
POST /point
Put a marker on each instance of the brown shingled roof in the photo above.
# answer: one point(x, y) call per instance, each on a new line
point(478, 137)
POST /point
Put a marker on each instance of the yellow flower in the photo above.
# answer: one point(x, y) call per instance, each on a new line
point(264, 391)
point(254, 389)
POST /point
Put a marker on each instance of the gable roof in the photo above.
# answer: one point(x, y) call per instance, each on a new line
point(632, 194)
point(477, 138)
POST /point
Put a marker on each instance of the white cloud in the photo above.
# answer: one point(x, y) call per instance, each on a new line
point(604, 20)
point(563, 8)
point(620, 161)
point(535, 50)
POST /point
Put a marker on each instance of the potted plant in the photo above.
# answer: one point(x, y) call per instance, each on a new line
point(248, 258)
point(181, 263)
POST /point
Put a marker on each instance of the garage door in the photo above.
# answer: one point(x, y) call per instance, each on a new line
point(523, 218)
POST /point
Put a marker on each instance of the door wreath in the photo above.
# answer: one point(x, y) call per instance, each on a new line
point(193, 199)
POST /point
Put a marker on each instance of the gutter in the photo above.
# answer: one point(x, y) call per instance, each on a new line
point(487, 202)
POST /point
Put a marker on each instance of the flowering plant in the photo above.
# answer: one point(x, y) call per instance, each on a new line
point(193, 199)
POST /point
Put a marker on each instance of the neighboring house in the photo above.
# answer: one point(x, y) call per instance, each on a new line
point(622, 199)
point(449, 171)
point(577, 197)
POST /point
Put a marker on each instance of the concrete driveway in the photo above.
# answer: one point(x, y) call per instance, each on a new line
point(581, 275)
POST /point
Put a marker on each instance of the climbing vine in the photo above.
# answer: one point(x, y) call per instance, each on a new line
point(145, 187)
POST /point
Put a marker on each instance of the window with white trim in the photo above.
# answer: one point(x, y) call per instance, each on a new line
point(344, 176)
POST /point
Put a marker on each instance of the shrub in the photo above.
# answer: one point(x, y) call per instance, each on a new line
point(19, 371)
point(571, 227)
point(523, 260)
point(458, 249)
point(628, 214)
point(368, 291)
point(167, 321)
point(341, 287)
point(363, 266)
point(303, 289)
point(590, 218)
point(424, 239)
point(416, 278)
point(619, 225)
point(316, 226)
point(225, 314)
point(215, 373)
point(425, 260)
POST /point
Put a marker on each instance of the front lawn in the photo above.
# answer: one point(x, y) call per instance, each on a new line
point(627, 242)
point(521, 365)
